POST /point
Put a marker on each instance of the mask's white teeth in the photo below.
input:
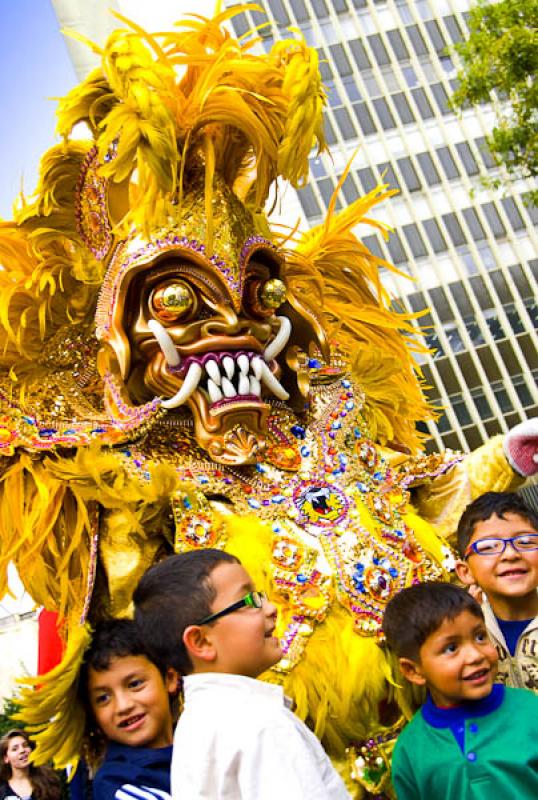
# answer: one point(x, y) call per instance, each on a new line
point(190, 383)
point(213, 391)
point(272, 384)
point(255, 386)
point(256, 365)
point(165, 343)
point(244, 385)
point(229, 366)
point(243, 364)
point(228, 388)
point(280, 341)
point(213, 371)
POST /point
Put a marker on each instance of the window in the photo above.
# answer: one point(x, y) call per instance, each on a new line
point(349, 189)
point(279, 12)
point(417, 41)
point(484, 151)
point(409, 174)
point(364, 118)
point(428, 168)
point(389, 176)
point(379, 50)
point(461, 411)
point(367, 179)
point(345, 123)
point(384, 113)
point(340, 6)
point(350, 85)
point(403, 108)
point(415, 240)
point(474, 224)
point(329, 130)
point(441, 97)
point(309, 202)
point(410, 76)
point(436, 37)
point(531, 209)
point(467, 158)
point(434, 234)
point(372, 243)
point(359, 54)
point(324, 66)
point(494, 220)
point(512, 212)
point(448, 163)
point(372, 86)
point(453, 28)
point(333, 98)
point(423, 104)
point(482, 405)
point(340, 59)
point(300, 11)
point(398, 45)
point(454, 229)
point(397, 253)
point(319, 8)
point(241, 24)
point(326, 189)
point(317, 167)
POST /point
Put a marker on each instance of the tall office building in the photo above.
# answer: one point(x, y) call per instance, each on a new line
point(469, 254)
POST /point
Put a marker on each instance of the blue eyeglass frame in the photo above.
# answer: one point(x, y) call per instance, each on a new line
point(253, 599)
point(511, 540)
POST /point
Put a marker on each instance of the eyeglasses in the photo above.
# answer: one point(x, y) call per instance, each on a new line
point(250, 600)
point(522, 543)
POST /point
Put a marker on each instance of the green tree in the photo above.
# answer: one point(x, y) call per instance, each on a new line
point(500, 58)
point(7, 710)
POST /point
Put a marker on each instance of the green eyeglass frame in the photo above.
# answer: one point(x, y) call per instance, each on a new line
point(250, 600)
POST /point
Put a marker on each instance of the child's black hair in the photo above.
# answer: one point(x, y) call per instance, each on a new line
point(487, 505)
point(113, 638)
point(415, 613)
point(173, 594)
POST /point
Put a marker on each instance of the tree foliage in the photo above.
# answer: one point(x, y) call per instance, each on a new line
point(500, 60)
point(7, 710)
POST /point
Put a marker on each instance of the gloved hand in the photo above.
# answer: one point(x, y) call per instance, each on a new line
point(521, 447)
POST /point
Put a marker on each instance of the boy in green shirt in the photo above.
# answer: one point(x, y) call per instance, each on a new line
point(472, 739)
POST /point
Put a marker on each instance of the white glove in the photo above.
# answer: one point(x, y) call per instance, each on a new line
point(521, 447)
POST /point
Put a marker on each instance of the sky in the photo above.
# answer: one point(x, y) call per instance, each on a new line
point(34, 68)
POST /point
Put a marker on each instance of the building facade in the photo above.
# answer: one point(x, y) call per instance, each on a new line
point(467, 253)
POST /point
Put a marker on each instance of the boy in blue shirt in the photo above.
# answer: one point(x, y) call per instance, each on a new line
point(129, 711)
point(498, 546)
point(472, 738)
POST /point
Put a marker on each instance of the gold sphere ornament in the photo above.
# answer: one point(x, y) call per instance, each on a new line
point(173, 300)
point(273, 293)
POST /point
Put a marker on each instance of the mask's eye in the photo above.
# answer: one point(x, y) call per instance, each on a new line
point(173, 300)
point(272, 293)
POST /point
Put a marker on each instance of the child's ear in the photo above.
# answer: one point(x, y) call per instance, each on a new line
point(172, 681)
point(464, 573)
point(411, 671)
point(198, 645)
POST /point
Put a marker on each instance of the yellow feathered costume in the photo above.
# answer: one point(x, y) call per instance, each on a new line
point(175, 374)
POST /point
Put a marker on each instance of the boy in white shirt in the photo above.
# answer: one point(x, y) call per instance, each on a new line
point(199, 613)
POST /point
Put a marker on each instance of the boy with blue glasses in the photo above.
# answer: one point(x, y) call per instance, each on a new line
point(199, 613)
point(498, 545)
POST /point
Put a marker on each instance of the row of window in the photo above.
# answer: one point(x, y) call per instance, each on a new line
point(404, 173)
point(472, 230)
point(459, 294)
point(482, 404)
point(320, 10)
point(455, 339)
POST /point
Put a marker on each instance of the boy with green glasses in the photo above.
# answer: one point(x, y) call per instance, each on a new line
point(199, 614)
point(498, 546)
